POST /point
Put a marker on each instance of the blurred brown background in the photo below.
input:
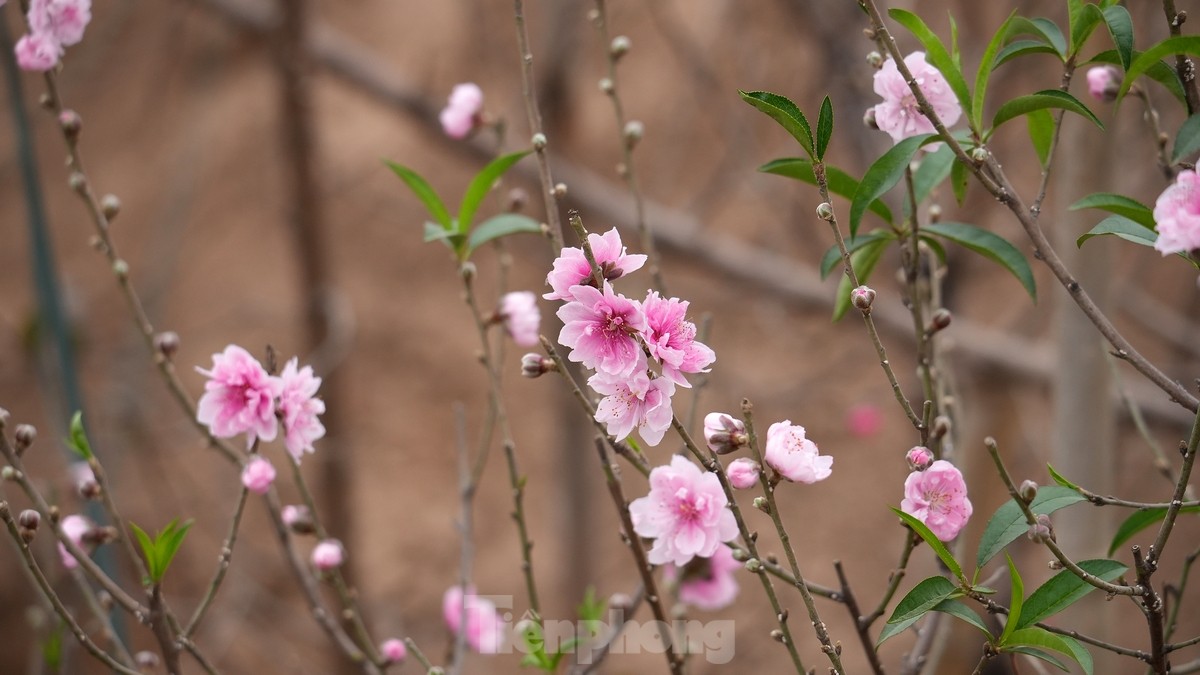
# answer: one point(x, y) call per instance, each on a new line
point(185, 119)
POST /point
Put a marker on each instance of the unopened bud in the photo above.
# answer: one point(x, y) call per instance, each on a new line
point(939, 321)
point(724, 433)
point(77, 181)
point(89, 489)
point(761, 504)
point(467, 271)
point(606, 85)
point(393, 650)
point(633, 133)
point(539, 141)
point(98, 536)
point(620, 46)
point(754, 565)
point(121, 269)
point(167, 343)
point(743, 473)
point(146, 660)
point(1054, 565)
point(919, 458)
point(875, 59)
point(825, 211)
point(46, 101)
point(935, 213)
point(620, 602)
point(71, 123)
point(1027, 491)
point(536, 365)
point(29, 519)
point(777, 635)
point(23, 437)
point(741, 555)
point(517, 199)
point(560, 190)
point(110, 205)
point(979, 154)
point(298, 519)
point(869, 119)
point(328, 555)
point(8, 473)
point(862, 297)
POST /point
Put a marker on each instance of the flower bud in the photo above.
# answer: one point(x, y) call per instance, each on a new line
point(560, 190)
point(536, 365)
point(539, 141)
point(724, 433)
point(167, 343)
point(743, 473)
point(633, 132)
point(1041, 531)
point(8, 473)
point(517, 199)
point(919, 458)
point(935, 213)
point(393, 650)
point(298, 519)
point(258, 474)
point(619, 47)
point(77, 181)
point(23, 437)
point(71, 123)
point(121, 269)
point(777, 635)
point(862, 297)
point(1027, 491)
point(607, 86)
point(875, 59)
point(27, 524)
point(1104, 83)
point(979, 154)
point(110, 205)
point(620, 602)
point(146, 660)
point(89, 489)
point(761, 504)
point(328, 554)
point(825, 211)
point(869, 119)
point(754, 565)
point(939, 321)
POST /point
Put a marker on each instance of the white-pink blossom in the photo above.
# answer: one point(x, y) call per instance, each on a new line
point(64, 20)
point(37, 52)
point(671, 338)
point(743, 473)
point(239, 397)
point(601, 329)
point(571, 268)
point(521, 317)
point(899, 114)
point(258, 474)
point(483, 626)
point(299, 408)
point(937, 497)
point(1104, 82)
point(393, 650)
point(328, 554)
point(708, 583)
point(75, 527)
point(794, 456)
point(686, 513)
point(634, 401)
point(461, 113)
point(1177, 215)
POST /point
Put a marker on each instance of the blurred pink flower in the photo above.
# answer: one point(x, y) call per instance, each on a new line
point(672, 339)
point(919, 458)
point(460, 115)
point(76, 528)
point(521, 317)
point(864, 420)
point(686, 513)
point(483, 626)
point(937, 497)
point(571, 268)
point(795, 457)
point(299, 407)
point(328, 554)
point(899, 114)
point(393, 650)
point(258, 474)
point(64, 20)
point(601, 329)
point(743, 473)
point(1103, 83)
point(634, 401)
point(239, 397)
point(37, 52)
point(708, 583)
point(1177, 215)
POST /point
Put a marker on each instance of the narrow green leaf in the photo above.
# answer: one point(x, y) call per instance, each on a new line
point(936, 544)
point(424, 191)
point(916, 603)
point(78, 440)
point(959, 609)
point(986, 65)
point(481, 185)
point(883, 176)
point(833, 256)
point(1187, 141)
point(172, 540)
point(1021, 48)
point(1060, 479)
point(935, 54)
point(1008, 522)
point(1039, 639)
point(1120, 27)
point(1052, 33)
point(864, 261)
point(1118, 204)
point(1041, 133)
point(1123, 228)
point(839, 182)
point(934, 169)
point(501, 226)
point(1080, 653)
point(1039, 654)
point(1063, 590)
point(1084, 19)
point(52, 648)
point(435, 232)
point(1049, 98)
point(989, 245)
point(146, 543)
point(959, 179)
point(1184, 44)
point(937, 247)
point(783, 111)
point(824, 127)
point(1159, 72)
point(1018, 600)
point(1140, 520)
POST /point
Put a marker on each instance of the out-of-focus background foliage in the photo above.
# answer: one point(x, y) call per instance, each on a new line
point(185, 118)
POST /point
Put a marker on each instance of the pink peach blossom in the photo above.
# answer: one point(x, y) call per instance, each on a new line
point(521, 317)
point(328, 554)
point(1177, 215)
point(671, 338)
point(864, 420)
point(898, 114)
point(919, 458)
point(65, 20)
point(571, 268)
point(37, 52)
point(743, 473)
point(76, 528)
point(708, 583)
point(299, 408)
point(634, 401)
point(461, 113)
point(393, 650)
point(258, 474)
point(483, 626)
point(937, 497)
point(795, 457)
point(686, 513)
point(601, 329)
point(239, 397)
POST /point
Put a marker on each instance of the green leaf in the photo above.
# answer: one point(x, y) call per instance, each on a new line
point(1008, 522)
point(591, 608)
point(424, 191)
point(916, 603)
point(1047, 29)
point(1120, 27)
point(833, 256)
point(935, 54)
point(52, 648)
point(1159, 72)
point(1039, 654)
point(1063, 590)
point(1041, 133)
point(934, 169)
point(1049, 98)
point(958, 609)
point(1140, 520)
point(986, 65)
point(1080, 653)
point(1018, 599)
point(1021, 48)
point(435, 232)
point(160, 550)
point(839, 182)
point(78, 440)
point(959, 179)
point(1037, 639)
point(1060, 479)
point(989, 245)
point(147, 544)
point(1184, 44)
point(936, 544)
point(783, 111)
point(481, 185)
point(824, 127)
point(1084, 18)
point(1118, 204)
point(1123, 228)
point(1187, 141)
point(501, 226)
point(883, 176)
point(863, 260)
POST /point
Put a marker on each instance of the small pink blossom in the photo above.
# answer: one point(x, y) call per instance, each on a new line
point(75, 528)
point(37, 52)
point(258, 474)
point(708, 583)
point(1104, 82)
point(299, 408)
point(64, 20)
point(634, 401)
point(937, 497)
point(795, 457)
point(919, 458)
point(899, 114)
point(295, 514)
point(328, 554)
point(521, 317)
point(601, 329)
point(461, 113)
point(686, 513)
point(1177, 215)
point(672, 339)
point(724, 433)
point(743, 473)
point(393, 650)
point(483, 626)
point(864, 420)
point(571, 268)
point(239, 397)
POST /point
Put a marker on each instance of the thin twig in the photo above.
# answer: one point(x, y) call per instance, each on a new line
point(535, 128)
point(223, 560)
point(860, 627)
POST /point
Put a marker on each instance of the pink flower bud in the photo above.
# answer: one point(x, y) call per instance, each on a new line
point(536, 365)
point(724, 433)
point(328, 554)
point(1104, 82)
point(1027, 491)
point(919, 458)
point(38, 52)
point(298, 518)
point(393, 650)
point(521, 317)
point(77, 529)
point(1041, 531)
point(23, 437)
point(257, 475)
point(743, 473)
point(862, 297)
point(864, 420)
